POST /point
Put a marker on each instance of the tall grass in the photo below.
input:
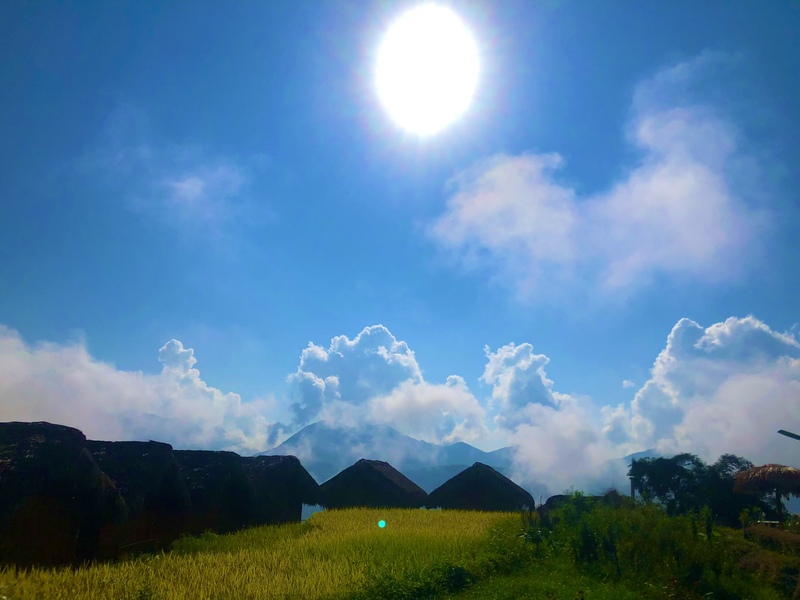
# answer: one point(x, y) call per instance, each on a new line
point(639, 548)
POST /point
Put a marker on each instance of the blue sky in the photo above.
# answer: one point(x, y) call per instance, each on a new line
point(195, 192)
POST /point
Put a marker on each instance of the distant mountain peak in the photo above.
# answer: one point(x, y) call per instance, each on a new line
point(326, 448)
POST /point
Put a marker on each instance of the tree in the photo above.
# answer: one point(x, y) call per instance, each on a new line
point(683, 484)
point(726, 506)
point(673, 482)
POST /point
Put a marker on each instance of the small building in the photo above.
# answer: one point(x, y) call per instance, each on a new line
point(480, 487)
point(282, 485)
point(372, 483)
point(151, 483)
point(54, 500)
point(223, 499)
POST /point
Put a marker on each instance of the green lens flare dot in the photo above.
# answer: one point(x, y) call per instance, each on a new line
point(381, 523)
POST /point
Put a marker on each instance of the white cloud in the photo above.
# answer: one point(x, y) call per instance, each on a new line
point(507, 210)
point(375, 378)
point(559, 440)
point(64, 384)
point(353, 371)
point(626, 383)
point(518, 379)
point(435, 413)
point(564, 447)
point(675, 213)
point(726, 388)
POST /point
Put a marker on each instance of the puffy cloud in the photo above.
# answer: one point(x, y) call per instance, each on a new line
point(353, 371)
point(518, 379)
point(616, 423)
point(674, 213)
point(562, 447)
point(508, 211)
point(375, 378)
point(436, 413)
point(723, 389)
point(626, 383)
point(558, 439)
point(726, 388)
point(64, 384)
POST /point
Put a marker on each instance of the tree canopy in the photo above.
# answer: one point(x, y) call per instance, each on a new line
point(683, 484)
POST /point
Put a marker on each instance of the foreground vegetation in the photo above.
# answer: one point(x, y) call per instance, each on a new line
point(582, 551)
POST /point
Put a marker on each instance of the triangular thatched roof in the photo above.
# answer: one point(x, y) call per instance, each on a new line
point(372, 483)
point(480, 487)
point(274, 476)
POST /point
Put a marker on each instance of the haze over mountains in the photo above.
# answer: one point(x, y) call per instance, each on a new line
point(326, 449)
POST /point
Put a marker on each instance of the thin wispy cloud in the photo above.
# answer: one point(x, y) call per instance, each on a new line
point(177, 185)
point(678, 212)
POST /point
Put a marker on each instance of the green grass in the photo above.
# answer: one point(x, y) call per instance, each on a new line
point(584, 552)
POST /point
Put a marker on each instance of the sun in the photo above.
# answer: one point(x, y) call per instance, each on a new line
point(427, 69)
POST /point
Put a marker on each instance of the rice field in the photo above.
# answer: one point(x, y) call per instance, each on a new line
point(582, 551)
point(333, 554)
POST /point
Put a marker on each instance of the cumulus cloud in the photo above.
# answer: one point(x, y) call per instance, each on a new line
point(518, 379)
point(676, 212)
point(445, 413)
point(558, 442)
point(626, 383)
point(353, 371)
point(726, 388)
point(375, 378)
point(559, 448)
point(723, 389)
point(63, 383)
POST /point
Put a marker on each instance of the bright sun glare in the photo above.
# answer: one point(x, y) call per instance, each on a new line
point(427, 69)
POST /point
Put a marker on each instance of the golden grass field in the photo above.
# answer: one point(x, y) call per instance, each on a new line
point(332, 554)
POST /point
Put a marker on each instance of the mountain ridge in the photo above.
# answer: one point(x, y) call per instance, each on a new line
point(326, 449)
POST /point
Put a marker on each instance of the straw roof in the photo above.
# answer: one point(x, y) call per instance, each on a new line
point(780, 479)
point(480, 487)
point(783, 480)
point(281, 478)
point(372, 483)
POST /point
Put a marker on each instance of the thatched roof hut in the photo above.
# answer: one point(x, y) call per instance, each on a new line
point(372, 483)
point(480, 487)
point(782, 480)
point(282, 486)
point(150, 481)
point(54, 500)
point(223, 499)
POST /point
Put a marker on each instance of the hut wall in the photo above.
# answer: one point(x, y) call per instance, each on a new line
point(53, 500)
